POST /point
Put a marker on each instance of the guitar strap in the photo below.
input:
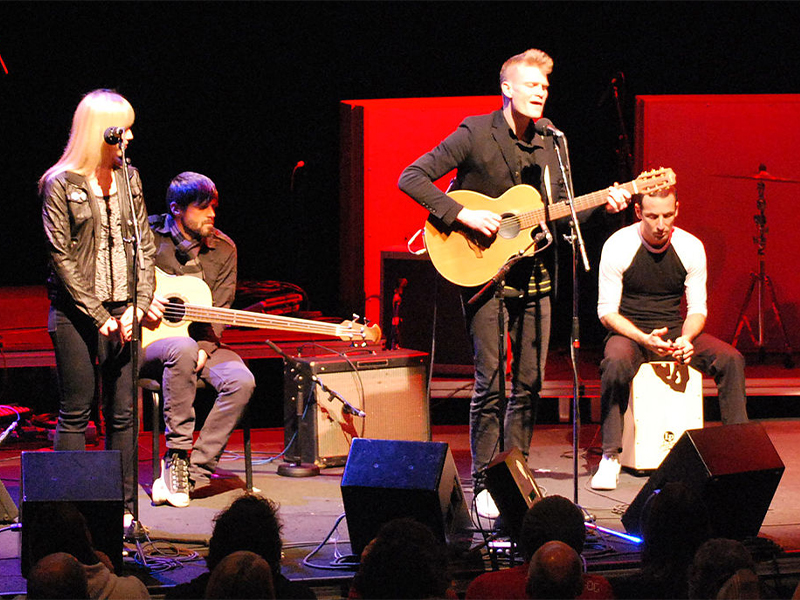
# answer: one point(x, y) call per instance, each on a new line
point(186, 251)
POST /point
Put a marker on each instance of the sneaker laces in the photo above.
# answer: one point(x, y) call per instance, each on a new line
point(179, 474)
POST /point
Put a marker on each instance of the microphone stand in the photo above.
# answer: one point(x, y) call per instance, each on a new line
point(498, 281)
point(574, 238)
point(303, 370)
point(297, 468)
point(137, 263)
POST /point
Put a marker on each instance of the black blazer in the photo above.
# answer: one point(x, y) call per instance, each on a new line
point(482, 152)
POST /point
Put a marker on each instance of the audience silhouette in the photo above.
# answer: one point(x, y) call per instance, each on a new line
point(553, 518)
point(241, 575)
point(556, 571)
point(250, 523)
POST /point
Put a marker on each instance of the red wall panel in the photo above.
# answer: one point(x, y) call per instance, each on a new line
point(705, 137)
point(395, 133)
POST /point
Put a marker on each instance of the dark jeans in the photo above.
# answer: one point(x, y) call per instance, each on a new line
point(173, 362)
point(528, 325)
point(82, 354)
point(622, 359)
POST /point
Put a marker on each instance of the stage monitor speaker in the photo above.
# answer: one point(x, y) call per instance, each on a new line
point(388, 479)
point(735, 469)
point(513, 489)
point(390, 387)
point(91, 480)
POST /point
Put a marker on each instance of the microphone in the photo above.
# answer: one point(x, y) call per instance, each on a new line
point(352, 410)
point(113, 135)
point(300, 164)
point(545, 127)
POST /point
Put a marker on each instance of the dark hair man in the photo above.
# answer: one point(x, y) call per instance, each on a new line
point(187, 243)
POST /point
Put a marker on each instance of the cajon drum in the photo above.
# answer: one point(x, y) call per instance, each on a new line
point(666, 399)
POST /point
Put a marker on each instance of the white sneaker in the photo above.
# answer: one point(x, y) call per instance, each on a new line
point(607, 476)
point(485, 506)
point(173, 485)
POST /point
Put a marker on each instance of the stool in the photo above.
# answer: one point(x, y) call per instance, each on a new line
point(666, 399)
point(154, 387)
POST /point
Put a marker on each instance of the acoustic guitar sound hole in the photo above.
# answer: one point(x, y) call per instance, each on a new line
point(175, 310)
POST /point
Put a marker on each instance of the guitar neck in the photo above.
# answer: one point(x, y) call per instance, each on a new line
point(243, 318)
point(561, 209)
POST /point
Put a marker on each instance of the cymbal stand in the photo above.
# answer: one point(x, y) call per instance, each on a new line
point(761, 283)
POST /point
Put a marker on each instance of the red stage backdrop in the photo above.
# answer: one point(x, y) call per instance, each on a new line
point(704, 138)
point(379, 139)
point(700, 137)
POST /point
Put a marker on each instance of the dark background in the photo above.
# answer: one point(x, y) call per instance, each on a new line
point(242, 91)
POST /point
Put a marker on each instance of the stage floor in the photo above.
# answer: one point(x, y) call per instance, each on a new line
point(310, 507)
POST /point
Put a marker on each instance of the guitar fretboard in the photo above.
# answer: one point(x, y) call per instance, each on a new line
point(175, 311)
point(561, 209)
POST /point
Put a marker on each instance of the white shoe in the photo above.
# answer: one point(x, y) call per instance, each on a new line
point(173, 485)
point(485, 506)
point(607, 475)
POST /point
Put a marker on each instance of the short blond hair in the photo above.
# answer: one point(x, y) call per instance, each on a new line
point(531, 58)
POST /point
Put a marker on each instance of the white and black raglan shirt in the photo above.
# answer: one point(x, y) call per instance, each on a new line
point(645, 284)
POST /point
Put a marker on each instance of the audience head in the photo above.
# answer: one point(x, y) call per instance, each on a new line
point(249, 523)
point(556, 571)
point(59, 527)
point(241, 575)
point(716, 562)
point(552, 518)
point(675, 524)
point(57, 576)
point(405, 560)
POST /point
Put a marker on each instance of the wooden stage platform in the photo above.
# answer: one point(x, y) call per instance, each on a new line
point(311, 508)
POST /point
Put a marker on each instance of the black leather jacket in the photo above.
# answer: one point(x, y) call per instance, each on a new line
point(71, 217)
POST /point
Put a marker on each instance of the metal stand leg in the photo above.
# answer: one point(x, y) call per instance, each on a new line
point(761, 283)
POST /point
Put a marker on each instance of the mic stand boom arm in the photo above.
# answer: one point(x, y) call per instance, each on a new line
point(301, 366)
point(498, 282)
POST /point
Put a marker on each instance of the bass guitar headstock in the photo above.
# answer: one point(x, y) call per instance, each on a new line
point(353, 331)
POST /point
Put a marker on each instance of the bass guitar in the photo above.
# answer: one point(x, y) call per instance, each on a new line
point(469, 258)
point(189, 300)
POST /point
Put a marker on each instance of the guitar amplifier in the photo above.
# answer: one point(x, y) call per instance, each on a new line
point(388, 387)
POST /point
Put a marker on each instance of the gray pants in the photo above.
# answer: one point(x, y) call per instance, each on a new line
point(173, 361)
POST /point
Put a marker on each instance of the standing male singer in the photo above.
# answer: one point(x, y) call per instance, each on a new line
point(493, 153)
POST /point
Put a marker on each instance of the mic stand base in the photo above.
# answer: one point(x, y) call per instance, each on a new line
point(298, 470)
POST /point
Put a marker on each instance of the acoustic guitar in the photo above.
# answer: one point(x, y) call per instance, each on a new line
point(468, 258)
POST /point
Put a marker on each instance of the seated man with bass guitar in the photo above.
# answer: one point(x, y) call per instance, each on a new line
point(187, 243)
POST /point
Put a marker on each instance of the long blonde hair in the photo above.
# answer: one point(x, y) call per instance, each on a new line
point(96, 112)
